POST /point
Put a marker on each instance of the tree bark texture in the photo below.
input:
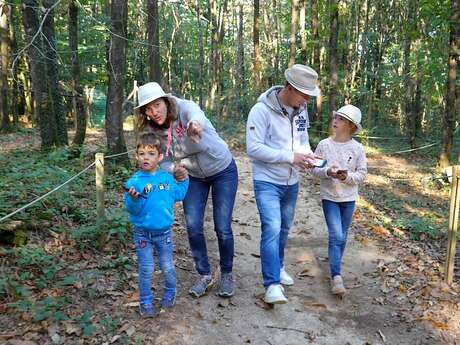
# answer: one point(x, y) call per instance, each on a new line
point(257, 59)
point(294, 28)
point(153, 33)
point(4, 63)
point(452, 64)
point(334, 29)
point(116, 66)
point(79, 105)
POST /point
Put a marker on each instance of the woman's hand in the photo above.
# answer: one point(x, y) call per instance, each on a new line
point(180, 173)
point(194, 131)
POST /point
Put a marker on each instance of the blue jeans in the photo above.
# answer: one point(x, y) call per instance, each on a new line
point(223, 186)
point(145, 242)
point(338, 219)
point(276, 204)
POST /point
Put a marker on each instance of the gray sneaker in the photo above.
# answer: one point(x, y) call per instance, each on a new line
point(201, 286)
point(226, 285)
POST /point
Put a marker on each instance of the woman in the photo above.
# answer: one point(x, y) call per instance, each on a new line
point(191, 138)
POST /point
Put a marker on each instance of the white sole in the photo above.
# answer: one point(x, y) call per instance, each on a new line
point(275, 301)
point(286, 283)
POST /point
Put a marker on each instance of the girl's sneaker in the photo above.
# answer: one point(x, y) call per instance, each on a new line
point(337, 286)
point(146, 310)
point(226, 285)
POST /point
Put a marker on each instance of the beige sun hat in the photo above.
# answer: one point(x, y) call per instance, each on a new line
point(150, 92)
point(352, 113)
point(303, 79)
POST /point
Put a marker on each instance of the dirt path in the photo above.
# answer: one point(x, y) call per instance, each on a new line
point(312, 316)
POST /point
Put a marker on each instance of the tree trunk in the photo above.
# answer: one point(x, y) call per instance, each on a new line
point(317, 111)
point(201, 57)
point(4, 64)
point(54, 94)
point(294, 28)
point(409, 83)
point(154, 41)
point(334, 30)
point(240, 71)
point(449, 115)
point(303, 32)
point(116, 66)
point(257, 59)
point(77, 90)
point(45, 118)
point(17, 94)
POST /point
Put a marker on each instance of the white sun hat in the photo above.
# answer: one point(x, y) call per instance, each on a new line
point(352, 113)
point(303, 79)
point(150, 92)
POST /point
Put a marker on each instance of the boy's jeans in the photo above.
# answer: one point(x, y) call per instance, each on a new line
point(145, 242)
point(338, 219)
point(223, 187)
point(276, 204)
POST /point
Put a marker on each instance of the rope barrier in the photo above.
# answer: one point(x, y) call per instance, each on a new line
point(60, 186)
point(45, 195)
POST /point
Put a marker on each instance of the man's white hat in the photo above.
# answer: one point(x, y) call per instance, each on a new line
point(352, 113)
point(150, 92)
point(303, 79)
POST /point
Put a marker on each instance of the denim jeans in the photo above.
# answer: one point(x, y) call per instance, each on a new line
point(276, 204)
point(223, 186)
point(145, 242)
point(338, 219)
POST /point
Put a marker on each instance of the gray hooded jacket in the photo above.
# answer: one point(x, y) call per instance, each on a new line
point(272, 137)
point(203, 159)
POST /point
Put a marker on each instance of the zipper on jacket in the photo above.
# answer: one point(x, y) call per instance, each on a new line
point(292, 145)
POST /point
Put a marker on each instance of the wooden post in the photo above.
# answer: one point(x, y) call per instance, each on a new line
point(100, 186)
point(453, 225)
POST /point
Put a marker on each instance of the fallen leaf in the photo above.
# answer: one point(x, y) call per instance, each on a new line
point(223, 303)
point(305, 273)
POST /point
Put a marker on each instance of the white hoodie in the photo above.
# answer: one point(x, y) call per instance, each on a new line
point(272, 138)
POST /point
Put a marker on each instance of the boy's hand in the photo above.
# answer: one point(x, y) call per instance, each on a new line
point(132, 193)
point(180, 173)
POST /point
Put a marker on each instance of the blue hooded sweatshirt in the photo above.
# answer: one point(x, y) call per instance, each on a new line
point(155, 212)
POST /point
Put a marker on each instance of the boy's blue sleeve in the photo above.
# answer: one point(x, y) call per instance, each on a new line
point(133, 206)
point(180, 189)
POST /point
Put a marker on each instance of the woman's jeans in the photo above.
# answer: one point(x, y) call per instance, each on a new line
point(276, 204)
point(338, 219)
point(145, 242)
point(223, 186)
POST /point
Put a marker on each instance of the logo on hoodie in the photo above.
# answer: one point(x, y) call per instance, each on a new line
point(301, 123)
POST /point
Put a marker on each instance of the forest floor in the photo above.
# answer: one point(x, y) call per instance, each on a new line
point(393, 269)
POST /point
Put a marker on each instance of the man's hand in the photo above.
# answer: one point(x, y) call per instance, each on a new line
point(194, 131)
point(180, 173)
point(304, 160)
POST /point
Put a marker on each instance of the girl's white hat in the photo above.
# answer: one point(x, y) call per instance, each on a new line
point(352, 113)
point(150, 92)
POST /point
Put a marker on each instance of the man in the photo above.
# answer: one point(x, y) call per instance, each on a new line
point(277, 142)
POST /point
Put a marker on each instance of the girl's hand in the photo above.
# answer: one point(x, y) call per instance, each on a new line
point(332, 171)
point(194, 131)
point(180, 173)
point(342, 175)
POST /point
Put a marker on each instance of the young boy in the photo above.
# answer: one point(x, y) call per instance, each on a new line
point(150, 202)
point(346, 169)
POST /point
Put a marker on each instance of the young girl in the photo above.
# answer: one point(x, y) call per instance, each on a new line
point(346, 169)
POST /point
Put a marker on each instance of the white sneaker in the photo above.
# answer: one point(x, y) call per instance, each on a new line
point(337, 286)
point(275, 295)
point(285, 278)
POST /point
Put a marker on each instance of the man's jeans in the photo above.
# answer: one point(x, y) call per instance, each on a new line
point(223, 187)
point(338, 219)
point(145, 242)
point(276, 204)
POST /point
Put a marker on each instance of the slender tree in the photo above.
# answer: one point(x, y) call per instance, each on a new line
point(154, 41)
point(317, 111)
point(452, 65)
point(4, 63)
point(77, 90)
point(240, 71)
point(257, 59)
point(116, 66)
point(294, 28)
point(334, 29)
